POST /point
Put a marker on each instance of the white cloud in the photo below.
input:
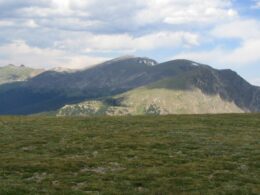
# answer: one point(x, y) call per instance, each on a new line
point(256, 5)
point(126, 43)
point(31, 24)
point(242, 29)
point(186, 11)
point(6, 23)
point(115, 13)
point(70, 28)
point(146, 42)
point(166, 39)
point(18, 52)
point(255, 81)
point(114, 24)
point(245, 54)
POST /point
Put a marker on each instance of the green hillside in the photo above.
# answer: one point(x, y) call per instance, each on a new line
point(156, 101)
point(13, 73)
point(192, 154)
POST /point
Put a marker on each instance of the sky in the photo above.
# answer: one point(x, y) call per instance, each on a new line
point(79, 33)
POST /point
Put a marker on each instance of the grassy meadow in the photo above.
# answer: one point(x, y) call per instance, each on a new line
point(175, 154)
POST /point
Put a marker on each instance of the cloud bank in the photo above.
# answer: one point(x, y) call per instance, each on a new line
point(80, 33)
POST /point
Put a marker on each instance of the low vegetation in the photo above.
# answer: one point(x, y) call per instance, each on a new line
point(186, 154)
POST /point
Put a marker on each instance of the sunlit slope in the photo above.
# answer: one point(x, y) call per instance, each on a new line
point(13, 73)
point(154, 101)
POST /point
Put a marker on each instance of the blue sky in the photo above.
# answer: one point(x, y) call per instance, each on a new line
point(80, 33)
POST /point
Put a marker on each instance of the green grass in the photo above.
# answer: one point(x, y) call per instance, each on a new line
point(188, 154)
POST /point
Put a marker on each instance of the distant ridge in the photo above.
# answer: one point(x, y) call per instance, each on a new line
point(132, 85)
point(12, 73)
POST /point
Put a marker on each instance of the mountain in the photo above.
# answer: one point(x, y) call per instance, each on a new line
point(12, 73)
point(201, 90)
point(132, 85)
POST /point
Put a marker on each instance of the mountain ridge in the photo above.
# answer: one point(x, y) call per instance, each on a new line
point(12, 73)
point(52, 90)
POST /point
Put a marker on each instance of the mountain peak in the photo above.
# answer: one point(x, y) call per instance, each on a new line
point(147, 61)
point(121, 58)
point(132, 59)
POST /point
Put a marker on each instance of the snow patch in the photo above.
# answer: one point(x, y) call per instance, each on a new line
point(147, 62)
point(194, 64)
